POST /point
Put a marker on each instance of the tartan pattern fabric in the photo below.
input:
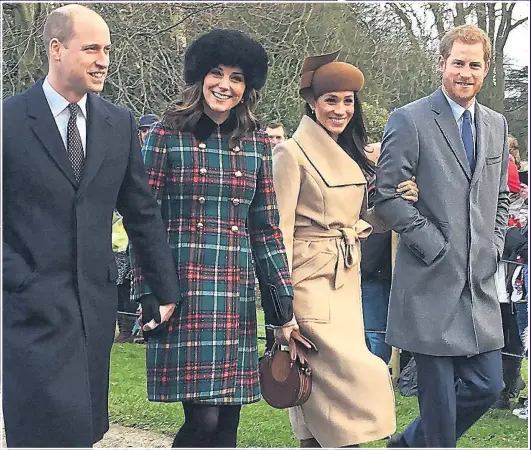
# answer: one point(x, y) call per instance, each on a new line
point(217, 203)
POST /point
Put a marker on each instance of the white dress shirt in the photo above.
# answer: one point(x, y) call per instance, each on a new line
point(59, 107)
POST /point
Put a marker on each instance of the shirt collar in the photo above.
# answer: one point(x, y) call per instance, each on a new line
point(58, 103)
point(458, 110)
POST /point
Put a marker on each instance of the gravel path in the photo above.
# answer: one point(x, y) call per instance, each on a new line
point(125, 437)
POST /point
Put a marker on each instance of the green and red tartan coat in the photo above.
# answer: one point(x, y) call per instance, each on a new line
point(208, 193)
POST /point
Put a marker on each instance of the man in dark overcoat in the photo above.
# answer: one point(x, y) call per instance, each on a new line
point(69, 159)
point(443, 306)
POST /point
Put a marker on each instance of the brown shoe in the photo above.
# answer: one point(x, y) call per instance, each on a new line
point(124, 337)
point(310, 443)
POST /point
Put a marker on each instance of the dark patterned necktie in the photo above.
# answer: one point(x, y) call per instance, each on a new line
point(74, 144)
point(468, 138)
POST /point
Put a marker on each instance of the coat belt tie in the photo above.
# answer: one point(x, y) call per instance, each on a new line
point(347, 239)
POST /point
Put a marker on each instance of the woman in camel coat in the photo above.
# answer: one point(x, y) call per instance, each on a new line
point(320, 182)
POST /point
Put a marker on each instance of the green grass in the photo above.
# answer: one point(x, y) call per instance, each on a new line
point(263, 426)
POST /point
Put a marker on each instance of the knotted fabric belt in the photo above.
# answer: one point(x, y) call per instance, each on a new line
point(346, 240)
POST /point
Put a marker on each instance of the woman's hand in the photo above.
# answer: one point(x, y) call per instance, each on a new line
point(409, 190)
point(283, 333)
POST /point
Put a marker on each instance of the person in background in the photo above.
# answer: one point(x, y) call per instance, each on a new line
point(514, 151)
point(443, 306)
point(125, 321)
point(376, 276)
point(144, 124)
point(276, 133)
point(209, 167)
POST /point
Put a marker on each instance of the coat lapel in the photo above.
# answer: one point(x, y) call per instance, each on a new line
point(332, 163)
point(99, 131)
point(448, 126)
point(482, 140)
point(43, 125)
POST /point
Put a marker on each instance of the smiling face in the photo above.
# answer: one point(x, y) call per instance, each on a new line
point(334, 110)
point(463, 72)
point(80, 65)
point(223, 89)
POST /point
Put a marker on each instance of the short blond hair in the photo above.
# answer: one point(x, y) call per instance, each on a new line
point(469, 34)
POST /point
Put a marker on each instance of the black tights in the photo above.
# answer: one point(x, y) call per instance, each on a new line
point(208, 426)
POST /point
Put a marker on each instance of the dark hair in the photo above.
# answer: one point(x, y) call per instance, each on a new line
point(184, 113)
point(274, 125)
point(353, 139)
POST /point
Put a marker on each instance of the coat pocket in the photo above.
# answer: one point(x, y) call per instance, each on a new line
point(313, 286)
point(493, 159)
point(311, 267)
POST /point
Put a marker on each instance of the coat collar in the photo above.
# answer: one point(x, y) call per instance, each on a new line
point(99, 133)
point(445, 119)
point(333, 164)
point(43, 124)
point(483, 137)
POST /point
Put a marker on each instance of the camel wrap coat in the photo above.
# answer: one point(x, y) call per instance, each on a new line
point(321, 195)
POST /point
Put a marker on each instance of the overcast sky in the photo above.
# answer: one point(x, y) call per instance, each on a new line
point(517, 46)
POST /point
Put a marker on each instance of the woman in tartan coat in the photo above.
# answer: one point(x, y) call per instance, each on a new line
point(210, 170)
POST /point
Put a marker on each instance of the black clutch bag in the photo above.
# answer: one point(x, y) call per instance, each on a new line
point(277, 310)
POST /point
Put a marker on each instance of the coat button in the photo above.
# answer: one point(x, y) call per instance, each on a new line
point(238, 174)
point(202, 200)
point(236, 149)
point(203, 171)
point(202, 145)
point(235, 201)
point(200, 225)
point(234, 228)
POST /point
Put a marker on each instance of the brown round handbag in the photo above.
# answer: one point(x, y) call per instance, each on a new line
point(286, 377)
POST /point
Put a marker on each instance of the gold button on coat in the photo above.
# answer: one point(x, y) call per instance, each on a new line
point(202, 145)
point(235, 201)
point(202, 200)
point(236, 149)
point(200, 225)
point(234, 228)
point(203, 171)
point(238, 174)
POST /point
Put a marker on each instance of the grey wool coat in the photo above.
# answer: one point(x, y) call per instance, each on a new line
point(443, 297)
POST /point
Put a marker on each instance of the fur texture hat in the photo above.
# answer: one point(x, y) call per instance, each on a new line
point(230, 48)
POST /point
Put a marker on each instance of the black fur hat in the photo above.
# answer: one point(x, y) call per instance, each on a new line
point(230, 48)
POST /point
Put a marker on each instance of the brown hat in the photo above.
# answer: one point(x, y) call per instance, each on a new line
point(321, 74)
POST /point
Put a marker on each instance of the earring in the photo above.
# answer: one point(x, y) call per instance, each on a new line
point(241, 101)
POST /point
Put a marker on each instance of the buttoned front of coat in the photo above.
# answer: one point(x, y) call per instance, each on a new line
point(218, 204)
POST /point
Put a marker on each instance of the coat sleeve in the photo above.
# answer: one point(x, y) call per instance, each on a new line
point(153, 268)
point(502, 210)
point(287, 180)
point(398, 162)
point(372, 218)
point(264, 231)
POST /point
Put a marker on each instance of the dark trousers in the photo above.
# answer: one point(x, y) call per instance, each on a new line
point(375, 302)
point(453, 393)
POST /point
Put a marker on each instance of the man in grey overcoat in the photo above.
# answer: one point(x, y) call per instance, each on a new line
point(443, 306)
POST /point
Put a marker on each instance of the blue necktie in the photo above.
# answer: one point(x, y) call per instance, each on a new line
point(468, 138)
